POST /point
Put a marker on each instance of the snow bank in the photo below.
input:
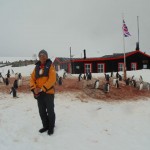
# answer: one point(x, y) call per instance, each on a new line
point(79, 126)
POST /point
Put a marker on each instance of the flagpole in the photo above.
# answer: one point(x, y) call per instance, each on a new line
point(138, 47)
point(124, 69)
point(125, 73)
point(70, 62)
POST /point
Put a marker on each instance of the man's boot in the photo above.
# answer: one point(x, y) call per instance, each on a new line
point(44, 129)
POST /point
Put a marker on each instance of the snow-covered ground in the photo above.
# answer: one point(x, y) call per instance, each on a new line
point(24, 70)
point(79, 126)
point(27, 70)
point(90, 125)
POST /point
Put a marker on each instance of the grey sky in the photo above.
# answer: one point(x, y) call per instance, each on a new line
point(28, 26)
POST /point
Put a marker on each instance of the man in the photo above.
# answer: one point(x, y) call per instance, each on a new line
point(42, 83)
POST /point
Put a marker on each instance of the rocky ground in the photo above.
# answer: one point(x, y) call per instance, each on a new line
point(85, 89)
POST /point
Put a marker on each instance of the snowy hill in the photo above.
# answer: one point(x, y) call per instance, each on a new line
point(12, 59)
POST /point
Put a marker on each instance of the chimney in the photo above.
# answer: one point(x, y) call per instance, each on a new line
point(137, 46)
point(84, 54)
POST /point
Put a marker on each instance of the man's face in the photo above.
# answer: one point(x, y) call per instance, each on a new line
point(42, 58)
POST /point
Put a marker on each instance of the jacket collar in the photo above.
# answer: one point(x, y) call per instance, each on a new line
point(39, 63)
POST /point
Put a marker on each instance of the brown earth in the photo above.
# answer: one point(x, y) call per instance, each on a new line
point(85, 89)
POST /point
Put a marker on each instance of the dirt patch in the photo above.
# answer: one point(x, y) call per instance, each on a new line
point(85, 89)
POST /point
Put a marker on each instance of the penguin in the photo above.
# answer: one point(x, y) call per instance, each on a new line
point(60, 81)
point(107, 77)
point(96, 84)
point(80, 77)
point(127, 81)
point(13, 90)
point(15, 84)
point(134, 83)
point(19, 82)
point(106, 87)
point(117, 83)
point(7, 81)
point(114, 82)
point(141, 86)
point(1, 79)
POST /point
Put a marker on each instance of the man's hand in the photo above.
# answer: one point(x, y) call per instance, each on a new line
point(37, 90)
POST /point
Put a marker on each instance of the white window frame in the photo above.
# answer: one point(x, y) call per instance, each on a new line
point(100, 67)
point(145, 66)
point(88, 67)
point(120, 66)
point(133, 66)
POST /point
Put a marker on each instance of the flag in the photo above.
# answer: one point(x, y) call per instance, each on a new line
point(125, 30)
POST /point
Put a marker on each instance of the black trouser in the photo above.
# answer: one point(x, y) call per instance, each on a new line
point(46, 109)
point(14, 93)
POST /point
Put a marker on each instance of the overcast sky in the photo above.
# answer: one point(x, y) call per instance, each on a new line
point(27, 26)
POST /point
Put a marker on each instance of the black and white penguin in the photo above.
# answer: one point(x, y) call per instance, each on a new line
point(14, 92)
point(60, 80)
point(107, 77)
point(96, 84)
point(19, 82)
point(15, 84)
point(80, 77)
point(106, 87)
point(7, 81)
point(117, 83)
point(1, 80)
point(141, 86)
point(127, 81)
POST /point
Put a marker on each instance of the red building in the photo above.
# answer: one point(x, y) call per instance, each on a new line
point(135, 60)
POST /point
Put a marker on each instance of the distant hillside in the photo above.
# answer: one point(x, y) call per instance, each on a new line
point(12, 59)
point(16, 61)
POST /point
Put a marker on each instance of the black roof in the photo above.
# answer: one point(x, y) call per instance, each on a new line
point(114, 55)
point(63, 59)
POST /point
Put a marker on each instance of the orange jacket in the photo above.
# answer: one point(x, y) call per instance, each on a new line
point(46, 83)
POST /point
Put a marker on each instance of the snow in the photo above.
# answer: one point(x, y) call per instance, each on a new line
point(145, 73)
point(93, 124)
point(61, 72)
point(24, 70)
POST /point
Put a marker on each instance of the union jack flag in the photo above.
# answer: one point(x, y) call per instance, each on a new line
point(125, 30)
